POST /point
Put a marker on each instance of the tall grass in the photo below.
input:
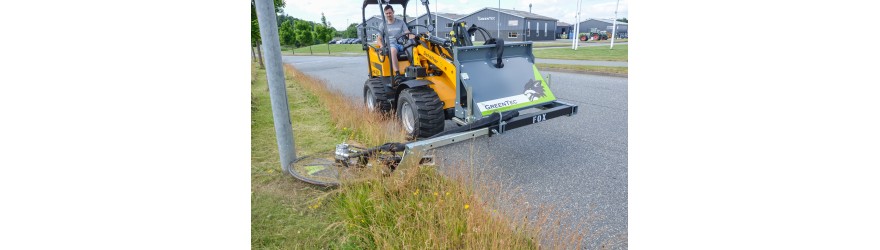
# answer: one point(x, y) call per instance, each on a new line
point(353, 119)
point(418, 207)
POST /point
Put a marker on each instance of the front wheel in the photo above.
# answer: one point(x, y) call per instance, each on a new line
point(421, 112)
point(375, 96)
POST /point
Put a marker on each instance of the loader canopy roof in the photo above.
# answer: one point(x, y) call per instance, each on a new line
point(401, 2)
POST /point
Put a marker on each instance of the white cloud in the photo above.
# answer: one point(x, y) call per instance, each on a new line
point(337, 11)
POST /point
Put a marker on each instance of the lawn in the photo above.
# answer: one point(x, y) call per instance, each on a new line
point(592, 53)
point(567, 43)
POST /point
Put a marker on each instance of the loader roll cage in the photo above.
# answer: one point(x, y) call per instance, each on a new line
point(383, 52)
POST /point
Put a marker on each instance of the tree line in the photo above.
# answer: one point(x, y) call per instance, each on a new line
point(294, 32)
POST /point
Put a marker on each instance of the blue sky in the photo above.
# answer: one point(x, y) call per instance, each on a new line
point(340, 11)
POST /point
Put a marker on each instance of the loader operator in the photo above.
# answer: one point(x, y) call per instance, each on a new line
point(396, 28)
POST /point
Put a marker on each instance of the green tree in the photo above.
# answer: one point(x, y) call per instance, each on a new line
point(333, 33)
point(304, 33)
point(623, 20)
point(323, 19)
point(255, 42)
point(286, 33)
point(323, 34)
point(351, 31)
point(255, 27)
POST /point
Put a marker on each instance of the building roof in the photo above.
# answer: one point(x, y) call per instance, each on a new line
point(560, 23)
point(368, 19)
point(519, 13)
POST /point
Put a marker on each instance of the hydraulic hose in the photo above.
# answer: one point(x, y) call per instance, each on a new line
point(439, 40)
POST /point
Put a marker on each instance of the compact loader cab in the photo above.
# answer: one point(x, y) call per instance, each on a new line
point(443, 79)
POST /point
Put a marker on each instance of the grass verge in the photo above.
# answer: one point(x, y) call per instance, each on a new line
point(617, 71)
point(414, 207)
point(592, 53)
point(282, 216)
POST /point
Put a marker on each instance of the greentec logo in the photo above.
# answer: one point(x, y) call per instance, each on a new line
point(535, 92)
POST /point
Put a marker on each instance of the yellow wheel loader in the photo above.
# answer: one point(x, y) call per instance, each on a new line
point(486, 89)
point(443, 79)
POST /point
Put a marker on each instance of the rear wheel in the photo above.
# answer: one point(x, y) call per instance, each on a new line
point(376, 96)
point(421, 112)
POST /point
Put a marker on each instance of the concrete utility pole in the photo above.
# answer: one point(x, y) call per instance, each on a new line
point(498, 19)
point(614, 25)
point(277, 89)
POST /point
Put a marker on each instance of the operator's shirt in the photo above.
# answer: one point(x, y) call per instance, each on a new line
point(395, 29)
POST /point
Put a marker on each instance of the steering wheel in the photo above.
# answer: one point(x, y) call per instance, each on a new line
point(405, 41)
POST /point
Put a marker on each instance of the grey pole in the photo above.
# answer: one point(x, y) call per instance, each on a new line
point(577, 27)
point(437, 8)
point(614, 25)
point(277, 89)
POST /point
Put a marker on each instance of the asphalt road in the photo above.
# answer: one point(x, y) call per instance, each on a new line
point(571, 163)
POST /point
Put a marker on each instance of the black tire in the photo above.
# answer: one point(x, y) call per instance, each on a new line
point(425, 109)
point(376, 96)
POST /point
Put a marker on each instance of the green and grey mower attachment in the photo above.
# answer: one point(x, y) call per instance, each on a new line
point(499, 95)
point(327, 170)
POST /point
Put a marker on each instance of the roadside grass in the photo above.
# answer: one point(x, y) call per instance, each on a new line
point(322, 50)
point(281, 213)
point(624, 71)
point(592, 53)
point(415, 206)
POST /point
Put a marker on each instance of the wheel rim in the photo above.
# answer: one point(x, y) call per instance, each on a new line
point(371, 102)
point(407, 117)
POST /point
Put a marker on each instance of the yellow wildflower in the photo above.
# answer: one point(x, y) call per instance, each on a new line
point(466, 206)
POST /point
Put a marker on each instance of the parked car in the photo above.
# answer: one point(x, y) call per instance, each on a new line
point(332, 41)
point(357, 40)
